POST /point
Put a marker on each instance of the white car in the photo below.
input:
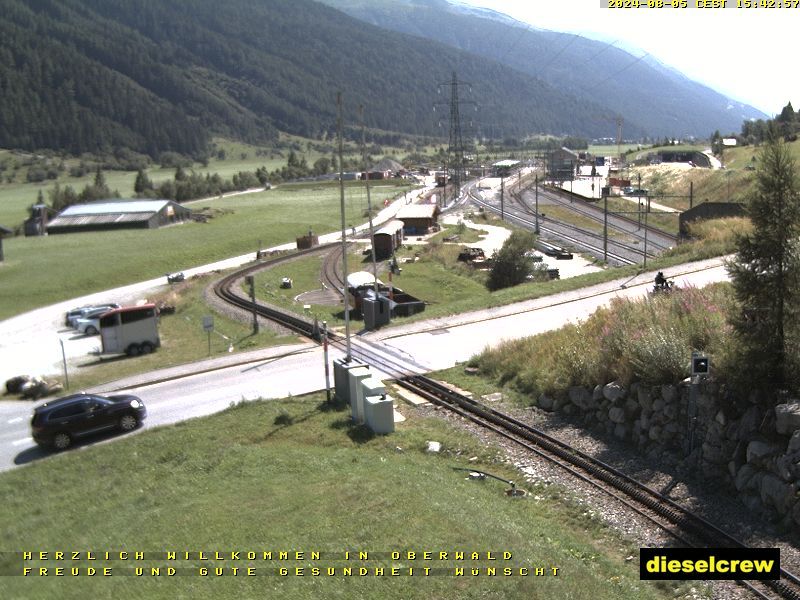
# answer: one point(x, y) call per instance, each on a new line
point(89, 321)
point(88, 326)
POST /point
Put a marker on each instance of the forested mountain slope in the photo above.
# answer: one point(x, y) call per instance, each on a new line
point(658, 98)
point(150, 75)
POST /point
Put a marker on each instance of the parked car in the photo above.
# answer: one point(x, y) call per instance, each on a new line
point(89, 322)
point(78, 313)
point(73, 314)
point(88, 325)
point(58, 423)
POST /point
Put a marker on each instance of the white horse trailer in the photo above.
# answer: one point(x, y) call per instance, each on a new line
point(130, 329)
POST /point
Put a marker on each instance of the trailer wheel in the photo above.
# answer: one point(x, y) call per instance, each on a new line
point(146, 347)
point(133, 350)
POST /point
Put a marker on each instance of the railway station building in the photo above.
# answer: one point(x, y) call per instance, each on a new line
point(561, 164)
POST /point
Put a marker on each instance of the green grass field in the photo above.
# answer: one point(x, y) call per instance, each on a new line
point(297, 476)
point(42, 270)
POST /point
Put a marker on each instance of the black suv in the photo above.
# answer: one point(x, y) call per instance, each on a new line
point(58, 422)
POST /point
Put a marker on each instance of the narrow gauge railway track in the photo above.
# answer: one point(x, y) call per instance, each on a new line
point(688, 528)
point(228, 290)
point(660, 240)
point(332, 275)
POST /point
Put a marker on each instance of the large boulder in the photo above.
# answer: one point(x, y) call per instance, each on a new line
point(617, 414)
point(794, 443)
point(582, 398)
point(777, 493)
point(749, 423)
point(613, 391)
point(669, 393)
point(787, 417)
point(758, 452)
point(745, 476)
point(644, 397)
point(786, 466)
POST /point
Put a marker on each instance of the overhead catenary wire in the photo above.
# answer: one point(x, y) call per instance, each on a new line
point(623, 69)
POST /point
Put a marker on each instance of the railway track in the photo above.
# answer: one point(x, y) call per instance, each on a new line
point(332, 272)
point(686, 527)
point(618, 251)
point(658, 239)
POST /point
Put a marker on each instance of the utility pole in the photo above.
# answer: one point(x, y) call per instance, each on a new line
point(644, 264)
point(536, 196)
point(369, 202)
point(639, 198)
point(250, 279)
point(325, 358)
point(502, 193)
point(605, 224)
point(348, 355)
point(691, 193)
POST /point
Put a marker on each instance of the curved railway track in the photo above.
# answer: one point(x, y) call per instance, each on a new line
point(332, 272)
point(687, 528)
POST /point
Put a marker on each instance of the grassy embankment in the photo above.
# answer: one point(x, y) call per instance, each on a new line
point(647, 340)
point(296, 476)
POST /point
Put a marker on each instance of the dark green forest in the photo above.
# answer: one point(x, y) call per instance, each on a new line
point(163, 75)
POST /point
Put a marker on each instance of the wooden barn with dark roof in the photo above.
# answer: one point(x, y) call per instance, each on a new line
point(118, 214)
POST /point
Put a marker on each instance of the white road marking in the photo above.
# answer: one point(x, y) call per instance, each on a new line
point(26, 440)
point(17, 420)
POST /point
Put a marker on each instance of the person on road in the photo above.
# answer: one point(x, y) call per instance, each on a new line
point(661, 281)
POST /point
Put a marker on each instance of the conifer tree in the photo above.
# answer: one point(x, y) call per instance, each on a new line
point(766, 273)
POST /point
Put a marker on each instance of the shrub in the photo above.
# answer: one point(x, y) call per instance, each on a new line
point(647, 340)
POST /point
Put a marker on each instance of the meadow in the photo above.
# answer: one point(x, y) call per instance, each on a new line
point(43, 270)
point(297, 476)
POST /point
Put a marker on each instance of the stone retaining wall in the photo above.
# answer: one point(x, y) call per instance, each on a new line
point(752, 449)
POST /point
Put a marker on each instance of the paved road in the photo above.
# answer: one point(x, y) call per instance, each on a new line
point(281, 372)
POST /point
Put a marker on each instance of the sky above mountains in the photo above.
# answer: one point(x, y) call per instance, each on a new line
point(744, 53)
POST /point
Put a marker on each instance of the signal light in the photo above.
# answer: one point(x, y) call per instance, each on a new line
point(700, 365)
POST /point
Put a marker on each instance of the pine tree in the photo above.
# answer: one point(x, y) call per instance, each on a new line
point(142, 183)
point(766, 273)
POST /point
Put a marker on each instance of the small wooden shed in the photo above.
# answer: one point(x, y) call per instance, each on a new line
point(418, 219)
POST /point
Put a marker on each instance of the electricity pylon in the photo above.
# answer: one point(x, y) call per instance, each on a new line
point(455, 148)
